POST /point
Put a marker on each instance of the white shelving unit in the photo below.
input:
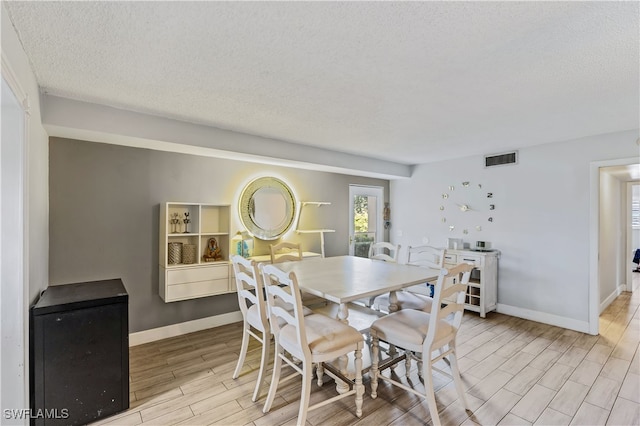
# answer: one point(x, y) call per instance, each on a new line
point(482, 293)
point(321, 232)
point(182, 281)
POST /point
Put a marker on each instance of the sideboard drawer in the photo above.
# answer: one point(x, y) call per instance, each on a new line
point(188, 275)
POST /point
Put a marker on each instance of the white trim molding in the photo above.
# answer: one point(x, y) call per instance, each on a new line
point(545, 318)
point(173, 330)
point(615, 293)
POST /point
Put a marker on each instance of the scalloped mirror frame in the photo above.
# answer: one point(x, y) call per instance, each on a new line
point(249, 216)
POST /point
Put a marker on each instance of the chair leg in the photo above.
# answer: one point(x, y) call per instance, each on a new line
point(275, 378)
point(407, 363)
point(373, 373)
point(359, 386)
point(457, 380)
point(243, 350)
point(307, 378)
point(427, 376)
point(263, 364)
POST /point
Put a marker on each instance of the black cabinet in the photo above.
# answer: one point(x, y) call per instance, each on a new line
point(79, 353)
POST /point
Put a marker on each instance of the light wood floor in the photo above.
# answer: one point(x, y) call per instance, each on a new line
point(516, 372)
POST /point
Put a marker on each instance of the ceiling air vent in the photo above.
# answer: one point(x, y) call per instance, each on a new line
point(501, 159)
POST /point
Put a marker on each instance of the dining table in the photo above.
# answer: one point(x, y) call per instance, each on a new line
point(345, 279)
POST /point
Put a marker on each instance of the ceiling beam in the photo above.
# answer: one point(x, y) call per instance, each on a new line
point(68, 118)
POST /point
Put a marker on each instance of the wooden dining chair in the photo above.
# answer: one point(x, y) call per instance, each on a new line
point(285, 251)
point(384, 251)
point(423, 333)
point(251, 299)
point(254, 313)
point(312, 339)
point(419, 296)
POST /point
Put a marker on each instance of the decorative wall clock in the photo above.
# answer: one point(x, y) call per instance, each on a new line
point(466, 206)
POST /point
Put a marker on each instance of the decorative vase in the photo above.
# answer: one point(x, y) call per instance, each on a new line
point(174, 253)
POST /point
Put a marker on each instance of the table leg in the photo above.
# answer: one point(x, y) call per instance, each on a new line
point(393, 302)
point(342, 387)
point(343, 313)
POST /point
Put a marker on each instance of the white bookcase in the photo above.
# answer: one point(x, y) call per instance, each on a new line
point(179, 280)
point(482, 293)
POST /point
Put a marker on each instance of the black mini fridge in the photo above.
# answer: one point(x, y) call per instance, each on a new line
point(79, 353)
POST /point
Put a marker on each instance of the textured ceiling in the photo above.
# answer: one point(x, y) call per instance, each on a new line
point(409, 82)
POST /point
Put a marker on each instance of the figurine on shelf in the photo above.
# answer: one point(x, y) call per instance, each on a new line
point(186, 221)
point(213, 252)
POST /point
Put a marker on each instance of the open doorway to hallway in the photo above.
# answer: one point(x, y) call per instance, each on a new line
point(633, 235)
point(617, 238)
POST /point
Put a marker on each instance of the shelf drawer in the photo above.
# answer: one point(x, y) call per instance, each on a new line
point(468, 258)
point(190, 275)
point(450, 259)
point(197, 289)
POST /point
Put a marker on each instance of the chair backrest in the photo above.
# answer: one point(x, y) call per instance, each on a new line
point(377, 251)
point(426, 256)
point(452, 297)
point(285, 252)
point(249, 286)
point(280, 285)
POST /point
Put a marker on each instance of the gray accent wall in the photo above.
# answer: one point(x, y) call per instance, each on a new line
point(104, 203)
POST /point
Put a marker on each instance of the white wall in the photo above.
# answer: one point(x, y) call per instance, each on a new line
point(611, 203)
point(541, 221)
point(105, 206)
point(635, 233)
point(36, 202)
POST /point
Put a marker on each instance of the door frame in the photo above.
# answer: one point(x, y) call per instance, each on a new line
point(14, 266)
point(371, 191)
point(594, 237)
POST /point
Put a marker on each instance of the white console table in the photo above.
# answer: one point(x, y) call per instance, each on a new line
point(482, 293)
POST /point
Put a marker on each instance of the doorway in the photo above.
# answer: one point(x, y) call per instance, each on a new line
point(609, 245)
point(365, 218)
point(633, 236)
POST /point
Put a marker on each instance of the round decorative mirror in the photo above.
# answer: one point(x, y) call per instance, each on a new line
point(267, 208)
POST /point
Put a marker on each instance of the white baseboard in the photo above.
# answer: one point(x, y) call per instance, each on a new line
point(545, 318)
point(146, 336)
point(615, 293)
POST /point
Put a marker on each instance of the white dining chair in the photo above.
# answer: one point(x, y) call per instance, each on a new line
point(384, 251)
point(254, 313)
point(312, 339)
point(285, 251)
point(423, 333)
point(251, 299)
point(416, 297)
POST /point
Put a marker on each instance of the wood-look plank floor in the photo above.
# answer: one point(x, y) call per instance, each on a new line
point(516, 372)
